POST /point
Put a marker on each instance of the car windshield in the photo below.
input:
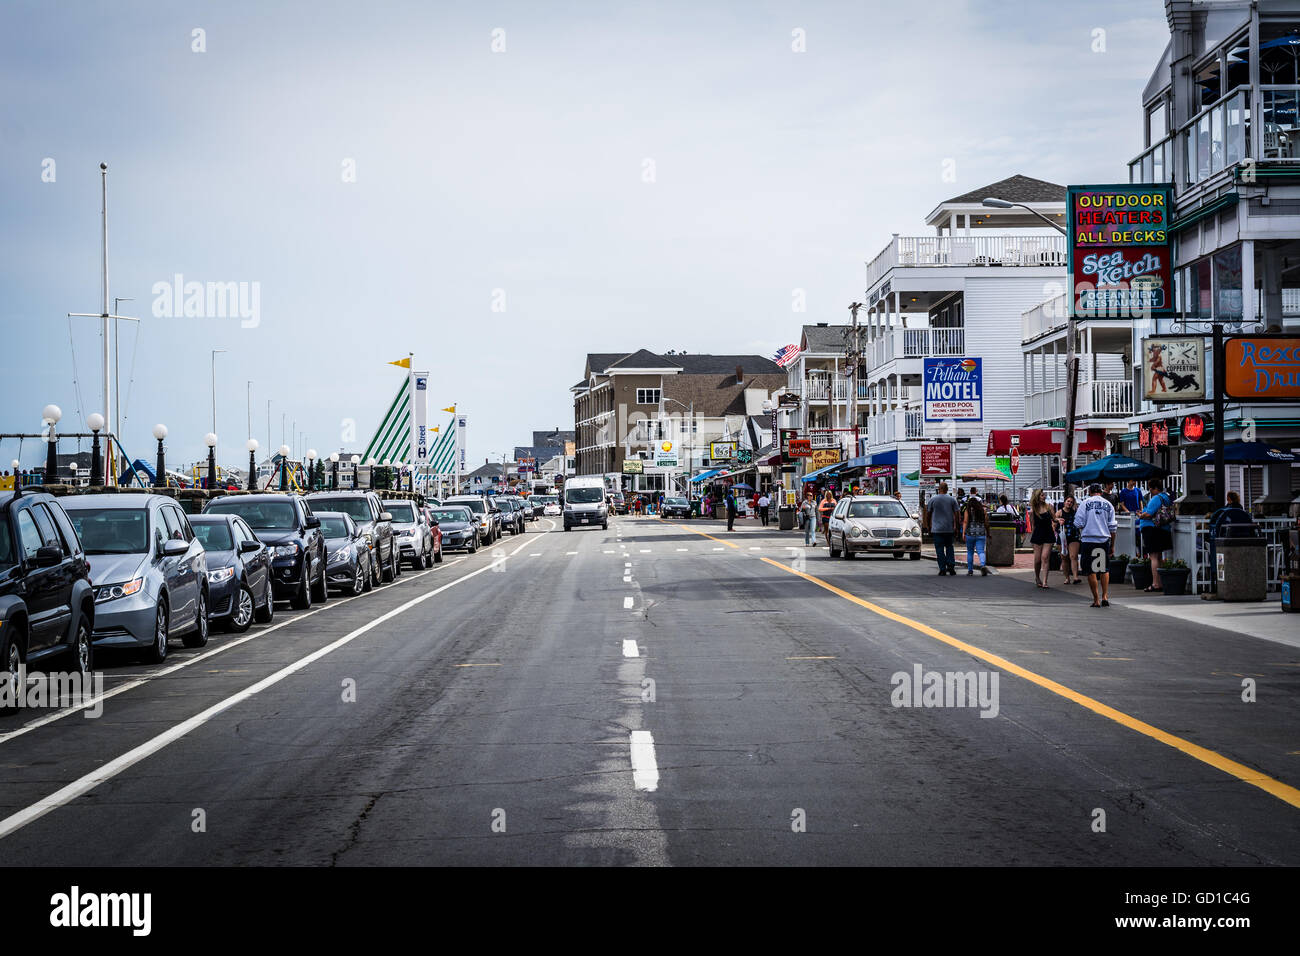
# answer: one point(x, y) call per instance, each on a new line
point(260, 515)
point(401, 511)
point(334, 527)
point(674, 501)
point(358, 509)
point(583, 496)
point(112, 530)
point(477, 505)
point(452, 515)
point(877, 509)
point(213, 537)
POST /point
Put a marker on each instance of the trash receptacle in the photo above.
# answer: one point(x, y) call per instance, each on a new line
point(1000, 548)
point(1241, 568)
point(785, 517)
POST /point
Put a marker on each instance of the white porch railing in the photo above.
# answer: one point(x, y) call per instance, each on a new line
point(1043, 318)
point(1102, 398)
point(898, 424)
point(821, 388)
point(916, 343)
point(965, 251)
point(1191, 543)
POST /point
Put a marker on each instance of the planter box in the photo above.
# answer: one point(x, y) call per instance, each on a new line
point(1174, 580)
point(1140, 574)
point(1117, 571)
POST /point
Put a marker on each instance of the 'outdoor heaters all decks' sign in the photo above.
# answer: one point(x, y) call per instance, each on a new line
point(1121, 260)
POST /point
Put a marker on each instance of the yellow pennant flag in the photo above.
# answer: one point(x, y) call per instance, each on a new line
point(434, 430)
point(450, 411)
point(402, 363)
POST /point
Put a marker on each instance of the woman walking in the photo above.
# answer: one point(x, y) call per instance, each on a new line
point(824, 510)
point(1070, 541)
point(974, 526)
point(1042, 536)
point(808, 515)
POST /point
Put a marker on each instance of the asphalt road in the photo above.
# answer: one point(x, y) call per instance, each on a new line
point(666, 693)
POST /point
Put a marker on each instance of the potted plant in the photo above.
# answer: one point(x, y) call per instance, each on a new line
point(1139, 572)
point(1117, 566)
point(1174, 573)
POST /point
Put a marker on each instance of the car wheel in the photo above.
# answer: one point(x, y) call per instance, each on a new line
point(13, 658)
point(199, 636)
point(397, 562)
point(376, 574)
point(266, 612)
point(158, 650)
point(302, 600)
point(358, 582)
point(390, 572)
point(897, 555)
point(369, 581)
point(604, 526)
point(321, 590)
point(241, 615)
point(835, 552)
point(844, 545)
point(472, 547)
point(83, 649)
point(914, 556)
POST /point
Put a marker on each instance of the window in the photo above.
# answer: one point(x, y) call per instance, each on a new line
point(171, 517)
point(647, 396)
point(46, 526)
point(27, 533)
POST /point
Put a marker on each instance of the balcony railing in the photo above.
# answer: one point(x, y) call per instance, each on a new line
point(821, 388)
point(1218, 137)
point(1156, 165)
point(899, 424)
point(1026, 250)
point(916, 344)
point(1101, 398)
point(1043, 318)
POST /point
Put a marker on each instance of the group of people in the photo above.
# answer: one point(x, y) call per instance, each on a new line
point(966, 515)
point(815, 513)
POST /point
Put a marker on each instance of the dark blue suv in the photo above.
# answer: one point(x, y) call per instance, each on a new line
point(285, 524)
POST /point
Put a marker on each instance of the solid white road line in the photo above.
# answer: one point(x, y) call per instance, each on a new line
point(645, 772)
point(630, 649)
point(627, 604)
point(108, 771)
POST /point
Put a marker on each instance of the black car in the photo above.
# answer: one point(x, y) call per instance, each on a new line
point(367, 512)
point(239, 572)
point(349, 553)
point(512, 516)
point(675, 507)
point(285, 523)
point(47, 603)
point(458, 526)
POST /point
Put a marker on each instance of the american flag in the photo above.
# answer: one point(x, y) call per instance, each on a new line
point(785, 356)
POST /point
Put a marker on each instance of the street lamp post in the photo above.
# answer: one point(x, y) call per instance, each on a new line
point(160, 464)
point(1071, 356)
point(311, 469)
point(210, 439)
point(96, 424)
point(50, 416)
point(356, 473)
point(370, 463)
point(334, 471)
point(252, 447)
point(284, 467)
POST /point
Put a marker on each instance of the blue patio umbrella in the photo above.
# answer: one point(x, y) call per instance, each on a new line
point(1248, 453)
point(1115, 468)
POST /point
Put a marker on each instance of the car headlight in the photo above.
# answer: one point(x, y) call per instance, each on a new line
point(913, 532)
point(220, 574)
point(856, 532)
point(286, 550)
point(111, 592)
point(341, 555)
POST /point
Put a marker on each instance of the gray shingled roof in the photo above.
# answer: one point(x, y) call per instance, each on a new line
point(827, 338)
point(644, 358)
point(1014, 189)
point(690, 364)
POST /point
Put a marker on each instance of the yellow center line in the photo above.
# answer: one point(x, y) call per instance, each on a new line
point(710, 537)
point(1276, 788)
point(477, 665)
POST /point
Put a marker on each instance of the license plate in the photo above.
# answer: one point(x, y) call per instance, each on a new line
point(886, 542)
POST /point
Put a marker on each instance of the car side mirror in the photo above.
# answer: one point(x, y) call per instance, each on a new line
point(173, 548)
point(385, 516)
point(248, 547)
point(48, 556)
point(313, 522)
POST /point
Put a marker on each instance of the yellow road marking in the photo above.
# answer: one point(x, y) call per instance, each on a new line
point(1276, 788)
point(812, 658)
point(478, 665)
point(1096, 658)
point(710, 537)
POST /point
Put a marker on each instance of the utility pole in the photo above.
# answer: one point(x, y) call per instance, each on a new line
point(855, 358)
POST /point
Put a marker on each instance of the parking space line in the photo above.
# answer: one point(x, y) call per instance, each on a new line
point(645, 771)
point(630, 649)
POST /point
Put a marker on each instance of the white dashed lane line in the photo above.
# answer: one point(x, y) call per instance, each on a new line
point(627, 604)
point(630, 649)
point(645, 771)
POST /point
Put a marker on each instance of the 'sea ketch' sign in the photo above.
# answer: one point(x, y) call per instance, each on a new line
point(1120, 253)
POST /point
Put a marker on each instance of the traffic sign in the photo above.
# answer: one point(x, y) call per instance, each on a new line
point(1015, 459)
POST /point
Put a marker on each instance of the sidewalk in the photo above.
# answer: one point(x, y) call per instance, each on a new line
point(1262, 619)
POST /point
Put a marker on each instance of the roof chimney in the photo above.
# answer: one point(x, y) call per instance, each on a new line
point(740, 375)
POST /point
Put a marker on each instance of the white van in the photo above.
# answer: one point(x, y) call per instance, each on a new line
point(585, 502)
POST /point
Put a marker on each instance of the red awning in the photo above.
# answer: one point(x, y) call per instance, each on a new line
point(772, 460)
point(1038, 441)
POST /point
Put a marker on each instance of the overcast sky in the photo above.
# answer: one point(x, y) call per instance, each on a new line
point(622, 175)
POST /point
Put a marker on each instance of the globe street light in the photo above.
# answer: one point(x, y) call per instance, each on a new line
point(284, 467)
point(160, 466)
point(370, 463)
point(210, 439)
point(311, 469)
point(96, 424)
point(356, 460)
point(334, 471)
point(50, 416)
point(252, 446)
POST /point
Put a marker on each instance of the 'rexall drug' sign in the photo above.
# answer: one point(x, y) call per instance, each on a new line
point(1121, 259)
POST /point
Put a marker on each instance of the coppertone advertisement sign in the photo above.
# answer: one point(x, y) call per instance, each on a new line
point(1173, 369)
point(1121, 261)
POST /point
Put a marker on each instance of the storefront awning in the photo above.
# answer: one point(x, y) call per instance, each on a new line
point(824, 472)
point(1038, 441)
point(885, 458)
point(706, 475)
point(860, 462)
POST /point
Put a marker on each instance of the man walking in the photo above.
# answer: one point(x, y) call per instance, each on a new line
point(731, 510)
point(942, 510)
point(808, 515)
point(1095, 519)
point(764, 503)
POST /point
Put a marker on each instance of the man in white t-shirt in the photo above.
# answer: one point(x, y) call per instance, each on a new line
point(764, 503)
point(1096, 520)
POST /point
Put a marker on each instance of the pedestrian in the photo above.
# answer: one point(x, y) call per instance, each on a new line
point(1096, 524)
point(1230, 521)
point(764, 504)
point(731, 510)
point(942, 509)
point(975, 525)
point(1130, 499)
point(1070, 541)
point(824, 509)
point(961, 507)
point(1154, 522)
point(808, 519)
point(1042, 534)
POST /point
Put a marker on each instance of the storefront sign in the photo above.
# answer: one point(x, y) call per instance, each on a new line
point(1003, 464)
point(880, 471)
point(936, 461)
point(1173, 369)
point(953, 389)
point(1193, 428)
point(1120, 253)
point(1155, 435)
point(632, 466)
point(823, 458)
point(1262, 368)
point(665, 455)
point(722, 450)
point(823, 438)
point(799, 448)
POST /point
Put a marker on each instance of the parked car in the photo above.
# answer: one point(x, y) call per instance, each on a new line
point(365, 509)
point(483, 513)
point(675, 507)
point(47, 602)
point(150, 571)
point(459, 527)
point(347, 554)
point(239, 572)
point(618, 504)
point(512, 516)
point(430, 522)
point(414, 537)
point(873, 524)
point(285, 523)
